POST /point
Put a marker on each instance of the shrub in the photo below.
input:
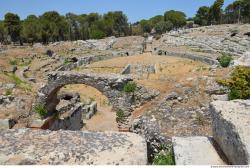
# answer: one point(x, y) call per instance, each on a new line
point(119, 115)
point(8, 92)
point(239, 84)
point(129, 87)
point(13, 62)
point(41, 110)
point(225, 60)
point(66, 61)
point(165, 157)
point(17, 80)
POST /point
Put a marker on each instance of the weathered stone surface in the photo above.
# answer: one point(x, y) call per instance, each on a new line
point(4, 124)
point(26, 146)
point(231, 129)
point(195, 151)
point(244, 60)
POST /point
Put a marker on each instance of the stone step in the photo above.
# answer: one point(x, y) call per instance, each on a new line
point(197, 150)
point(27, 146)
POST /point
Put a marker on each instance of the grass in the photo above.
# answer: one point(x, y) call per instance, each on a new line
point(165, 156)
point(66, 61)
point(130, 87)
point(120, 115)
point(16, 79)
point(41, 110)
point(8, 92)
point(13, 62)
point(21, 84)
point(225, 60)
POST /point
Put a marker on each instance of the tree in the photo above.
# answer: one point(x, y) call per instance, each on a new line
point(2, 32)
point(145, 26)
point(156, 19)
point(116, 23)
point(245, 10)
point(73, 26)
point(163, 26)
point(12, 24)
point(202, 16)
point(215, 12)
point(177, 18)
point(96, 30)
point(31, 29)
point(53, 27)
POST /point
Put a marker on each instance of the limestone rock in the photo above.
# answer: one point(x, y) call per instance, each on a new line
point(26, 146)
point(4, 124)
point(244, 60)
point(231, 129)
point(195, 151)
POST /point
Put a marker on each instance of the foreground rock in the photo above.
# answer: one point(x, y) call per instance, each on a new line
point(195, 151)
point(231, 129)
point(244, 60)
point(26, 146)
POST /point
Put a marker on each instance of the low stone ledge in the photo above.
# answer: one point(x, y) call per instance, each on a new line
point(231, 129)
point(191, 56)
point(195, 151)
point(26, 146)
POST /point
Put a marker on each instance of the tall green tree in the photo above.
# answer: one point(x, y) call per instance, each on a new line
point(177, 18)
point(202, 16)
point(245, 10)
point(12, 24)
point(163, 26)
point(53, 27)
point(73, 26)
point(2, 32)
point(116, 23)
point(31, 29)
point(145, 26)
point(215, 12)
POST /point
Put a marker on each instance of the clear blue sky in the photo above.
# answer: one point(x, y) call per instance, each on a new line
point(134, 9)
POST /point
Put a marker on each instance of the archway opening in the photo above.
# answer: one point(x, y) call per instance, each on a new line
point(103, 118)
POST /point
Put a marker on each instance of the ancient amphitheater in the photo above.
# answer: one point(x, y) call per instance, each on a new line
point(123, 101)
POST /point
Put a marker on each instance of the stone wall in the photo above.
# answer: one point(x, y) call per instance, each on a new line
point(94, 58)
point(71, 120)
point(192, 56)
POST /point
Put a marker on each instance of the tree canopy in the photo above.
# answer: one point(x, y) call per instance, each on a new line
point(51, 26)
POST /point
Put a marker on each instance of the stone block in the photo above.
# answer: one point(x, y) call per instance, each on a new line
point(44, 147)
point(195, 151)
point(231, 129)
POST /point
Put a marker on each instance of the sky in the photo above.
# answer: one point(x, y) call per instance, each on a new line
point(134, 9)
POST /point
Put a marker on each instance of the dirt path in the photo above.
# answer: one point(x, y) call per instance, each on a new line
point(103, 120)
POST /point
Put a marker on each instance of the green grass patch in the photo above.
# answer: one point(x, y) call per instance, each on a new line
point(165, 156)
point(41, 110)
point(238, 84)
point(225, 60)
point(130, 87)
point(8, 92)
point(16, 79)
point(120, 115)
point(13, 62)
point(66, 61)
